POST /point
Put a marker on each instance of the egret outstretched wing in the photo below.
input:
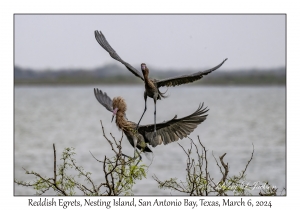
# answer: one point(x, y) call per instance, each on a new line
point(174, 129)
point(186, 78)
point(103, 99)
point(104, 43)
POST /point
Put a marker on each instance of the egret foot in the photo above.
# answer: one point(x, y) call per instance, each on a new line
point(140, 157)
point(126, 156)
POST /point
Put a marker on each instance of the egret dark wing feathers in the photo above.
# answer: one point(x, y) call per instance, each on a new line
point(103, 99)
point(174, 129)
point(103, 42)
point(186, 78)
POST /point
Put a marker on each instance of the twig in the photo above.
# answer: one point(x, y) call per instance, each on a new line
point(206, 171)
point(106, 175)
point(225, 166)
point(54, 151)
point(111, 144)
point(243, 172)
point(95, 157)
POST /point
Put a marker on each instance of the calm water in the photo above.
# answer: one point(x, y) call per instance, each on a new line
point(69, 117)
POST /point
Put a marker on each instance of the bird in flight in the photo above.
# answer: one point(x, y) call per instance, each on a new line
point(152, 85)
point(140, 138)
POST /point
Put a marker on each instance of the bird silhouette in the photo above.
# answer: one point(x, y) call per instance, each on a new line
point(140, 138)
point(152, 85)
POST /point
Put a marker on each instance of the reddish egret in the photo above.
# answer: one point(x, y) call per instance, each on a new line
point(152, 85)
point(167, 132)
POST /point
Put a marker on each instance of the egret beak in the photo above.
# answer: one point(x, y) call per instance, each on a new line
point(112, 118)
point(114, 113)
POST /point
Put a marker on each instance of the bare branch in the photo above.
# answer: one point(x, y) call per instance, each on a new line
point(54, 151)
point(243, 172)
point(111, 144)
point(225, 166)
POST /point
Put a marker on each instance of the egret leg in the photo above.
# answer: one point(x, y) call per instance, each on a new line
point(145, 97)
point(139, 160)
point(126, 155)
point(131, 158)
point(134, 143)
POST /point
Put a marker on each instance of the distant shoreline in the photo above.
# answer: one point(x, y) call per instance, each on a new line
point(138, 84)
point(113, 75)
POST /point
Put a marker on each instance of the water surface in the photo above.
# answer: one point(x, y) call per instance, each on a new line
point(69, 117)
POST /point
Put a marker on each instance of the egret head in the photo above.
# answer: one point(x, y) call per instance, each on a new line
point(119, 106)
point(144, 68)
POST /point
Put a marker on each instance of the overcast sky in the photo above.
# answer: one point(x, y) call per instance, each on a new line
point(160, 41)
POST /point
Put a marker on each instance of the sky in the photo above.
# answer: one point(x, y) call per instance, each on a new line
point(172, 42)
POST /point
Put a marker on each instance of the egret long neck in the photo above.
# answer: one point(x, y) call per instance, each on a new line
point(149, 85)
point(121, 121)
point(146, 74)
